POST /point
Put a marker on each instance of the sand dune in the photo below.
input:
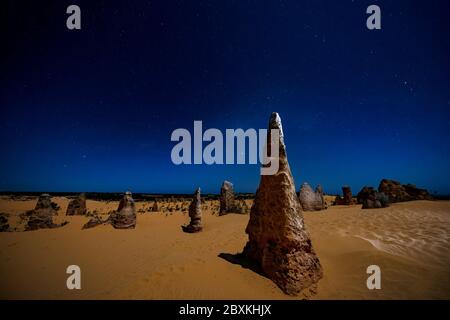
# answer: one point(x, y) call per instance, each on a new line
point(409, 241)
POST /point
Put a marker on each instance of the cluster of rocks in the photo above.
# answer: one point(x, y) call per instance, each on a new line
point(390, 191)
point(347, 198)
point(372, 199)
point(310, 200)
point(399, 193)
point(228, 203)
point(195, 213)
point(278, 241)
point(41, 217)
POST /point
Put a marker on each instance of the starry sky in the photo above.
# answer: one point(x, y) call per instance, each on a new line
point(93, 109)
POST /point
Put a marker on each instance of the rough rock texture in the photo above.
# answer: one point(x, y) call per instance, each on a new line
point(347, 192)
point(243, 207)
point(125, 217)
point(310, 200)
point(372, 199)
point(195, 213)
point(95, 221)
point(399, 193)
point(45, 202)
point(394, 190)
point(42, 215)
point(347, 197)
point(227, 202)
point(77, 206)
point(4, 225)
point(278, 242)
point(417, 193)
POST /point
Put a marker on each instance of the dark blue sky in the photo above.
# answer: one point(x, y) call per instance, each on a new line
point(93, 110)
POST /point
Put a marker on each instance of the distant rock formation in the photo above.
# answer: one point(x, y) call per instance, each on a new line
point(399, 193)
point(195, 213)
point(125, 216)
point(417, 193)
point(77, 206)
point(4, 225)
point(41, 217)
point(155, 207)
point(226, 198)
point(243, 207)
point(372, 199)
point(310, 200)
point(45, 202)
point(347, 199)
point(228, 203)
point(278, 241)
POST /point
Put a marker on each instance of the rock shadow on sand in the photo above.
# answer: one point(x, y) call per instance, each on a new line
point(244, 262)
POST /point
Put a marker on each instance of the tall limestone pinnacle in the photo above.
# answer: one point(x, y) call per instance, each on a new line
point(195, 213)
point(278, 241)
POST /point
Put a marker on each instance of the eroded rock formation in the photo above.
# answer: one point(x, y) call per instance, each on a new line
point(41, 217)
point(228, 202)
point(77, 206)
point(347, 197)
point(278, 241)
point(399, 193)
point(310, 200)
point(45, 202)
point(95, 221)
point(226, 198)
point(125, 216)
point(4, 225)
point(195, 213)
point(417, 193)
point(155, 207)
point(372, 199)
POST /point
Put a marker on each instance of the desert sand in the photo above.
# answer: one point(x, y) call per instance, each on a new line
point(409, 241)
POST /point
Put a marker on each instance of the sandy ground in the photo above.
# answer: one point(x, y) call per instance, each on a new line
point(409, 241)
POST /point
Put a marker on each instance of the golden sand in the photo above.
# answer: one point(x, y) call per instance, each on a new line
point(409, 241)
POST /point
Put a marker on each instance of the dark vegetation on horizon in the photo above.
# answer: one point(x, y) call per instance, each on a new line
point(116, 196)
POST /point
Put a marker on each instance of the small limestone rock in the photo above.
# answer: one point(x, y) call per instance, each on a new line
point(77, 206)
point(195, 213)
point(95, 221)
point(155, 207)
point(244, 209)
point(347, 198)
point(278, 241)
point(125, 217)
point(310, 200)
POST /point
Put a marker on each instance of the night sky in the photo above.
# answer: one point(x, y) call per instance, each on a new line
point(93, 109)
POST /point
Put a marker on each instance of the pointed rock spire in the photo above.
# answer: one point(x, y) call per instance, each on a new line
point(278, 242)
